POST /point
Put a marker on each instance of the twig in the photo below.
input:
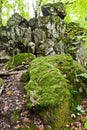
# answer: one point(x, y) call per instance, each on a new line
point(1, 89)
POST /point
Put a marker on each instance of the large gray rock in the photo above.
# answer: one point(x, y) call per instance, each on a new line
point(17, 38)
point(48, 35)
point(40, 36)
point(16, 35)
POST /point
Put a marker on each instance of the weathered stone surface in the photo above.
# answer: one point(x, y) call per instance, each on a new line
point(18, 39)
point(39, 36)
point(33, 23)
point(48, 34)
point(59, 47)
point(16, 19)
point(54, 9)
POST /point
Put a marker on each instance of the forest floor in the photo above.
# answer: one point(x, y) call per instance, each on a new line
point(14, 114)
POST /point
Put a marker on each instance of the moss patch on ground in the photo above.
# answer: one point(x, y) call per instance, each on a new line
point(15, 116)
point(49, 90)
point(19, 59)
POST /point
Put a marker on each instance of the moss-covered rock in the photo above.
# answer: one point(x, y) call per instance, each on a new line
point(19, 59)
point(49, 90)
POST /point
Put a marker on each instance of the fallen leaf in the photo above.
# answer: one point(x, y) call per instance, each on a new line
point(17, 127)
point(9, 92)
point(41, 127)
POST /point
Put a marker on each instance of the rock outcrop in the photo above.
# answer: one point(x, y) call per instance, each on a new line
point(45, 35)
point(41, 36)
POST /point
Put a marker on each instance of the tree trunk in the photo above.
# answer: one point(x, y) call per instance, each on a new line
point(0, 13)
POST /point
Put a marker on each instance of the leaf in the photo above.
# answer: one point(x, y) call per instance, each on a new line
point(85, 125)
point(9, 92)
point(79, 107)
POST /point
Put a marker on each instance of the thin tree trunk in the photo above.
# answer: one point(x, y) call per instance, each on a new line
point(0, 13)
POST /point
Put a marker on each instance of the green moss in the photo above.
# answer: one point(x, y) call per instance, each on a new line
point(25, 77)
point(15, 116)
point(46, 81)
point(68, 67)
point(58, 116)
point(31, 126)
point(19, 59)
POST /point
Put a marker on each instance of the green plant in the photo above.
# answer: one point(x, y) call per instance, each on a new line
point(84, 75)
point(85, 125)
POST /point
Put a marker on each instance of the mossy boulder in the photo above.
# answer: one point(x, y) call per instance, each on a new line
point(19, 59)
point(49, 89)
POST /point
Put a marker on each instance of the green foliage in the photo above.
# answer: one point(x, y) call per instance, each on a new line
point(85, 125)
point(76, 11)
point(83, 75)
point(10, 7)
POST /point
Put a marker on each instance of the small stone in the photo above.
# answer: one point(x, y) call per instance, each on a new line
point(17, 127)
point(18, 121)
point(6, 109)
point(24, 113)
point(26, 120)
point(73, 115)
point(67, 125)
